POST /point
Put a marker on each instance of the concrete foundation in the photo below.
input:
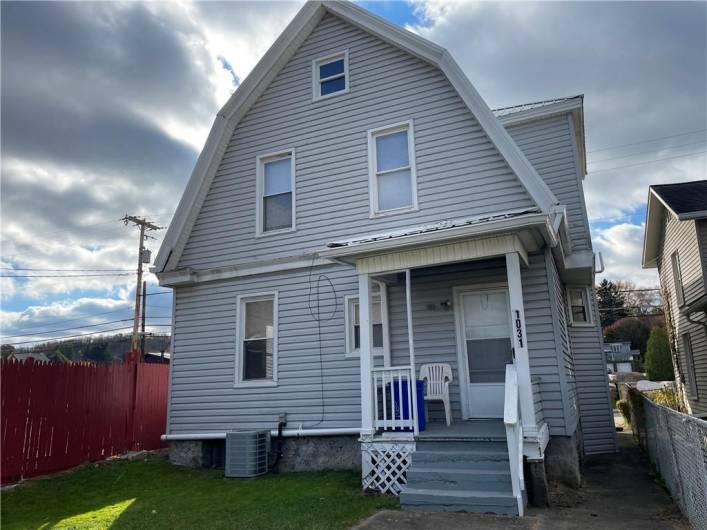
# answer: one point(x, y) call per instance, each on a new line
point(313, 453)
point(563, 460)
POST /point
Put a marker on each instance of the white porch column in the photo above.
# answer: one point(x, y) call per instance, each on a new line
point(411, 343)
point(520, 344)
point(366, 353)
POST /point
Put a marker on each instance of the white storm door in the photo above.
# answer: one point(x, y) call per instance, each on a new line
point(486, 341)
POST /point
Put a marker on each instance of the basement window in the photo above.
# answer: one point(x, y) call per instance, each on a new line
point(330, 75)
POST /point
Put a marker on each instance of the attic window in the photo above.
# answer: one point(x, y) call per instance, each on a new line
point(330, 75)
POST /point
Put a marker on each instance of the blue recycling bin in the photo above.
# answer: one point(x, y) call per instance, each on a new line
point(405, 407)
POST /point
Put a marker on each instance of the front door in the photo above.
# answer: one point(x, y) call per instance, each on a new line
point(484, 329)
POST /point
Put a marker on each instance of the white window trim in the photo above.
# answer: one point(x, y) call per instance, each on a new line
point(241, 300)
point(587, 307)
point(692, 391)
point(260, 161)
point(372, 168)
point(677, 279)
point(377, 352)
point(316, 63)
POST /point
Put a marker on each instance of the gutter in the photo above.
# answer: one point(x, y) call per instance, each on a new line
point(287, 433)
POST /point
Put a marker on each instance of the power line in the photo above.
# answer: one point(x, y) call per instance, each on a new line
point(644, 163)
point(645, 141)
point(64, 275)
point(648, 152)
point(64, 270)
point(72, 328)
point(63, 339)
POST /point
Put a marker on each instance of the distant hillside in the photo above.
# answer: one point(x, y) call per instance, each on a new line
point(97, 348)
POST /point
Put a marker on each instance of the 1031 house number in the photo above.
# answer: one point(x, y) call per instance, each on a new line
point(519, 328)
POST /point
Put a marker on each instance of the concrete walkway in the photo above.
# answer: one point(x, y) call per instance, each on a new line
point(618, 493)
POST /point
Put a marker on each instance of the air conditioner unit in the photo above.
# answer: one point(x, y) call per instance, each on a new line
point(247, 453)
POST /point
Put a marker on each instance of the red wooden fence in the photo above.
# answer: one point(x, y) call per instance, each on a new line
point(57, 416)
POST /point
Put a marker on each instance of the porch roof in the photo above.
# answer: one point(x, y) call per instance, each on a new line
point(447, 241)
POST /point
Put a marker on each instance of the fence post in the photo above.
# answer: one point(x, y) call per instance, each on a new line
point(676, 464)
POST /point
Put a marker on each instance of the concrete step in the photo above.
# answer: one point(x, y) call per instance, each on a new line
point(459, 501)
point(469, 459)
point(451, 479)
point(464, 445)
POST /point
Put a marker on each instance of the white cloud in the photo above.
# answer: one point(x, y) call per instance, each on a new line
point(622, 247)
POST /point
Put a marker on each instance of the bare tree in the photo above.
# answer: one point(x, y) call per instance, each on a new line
point(640, 301)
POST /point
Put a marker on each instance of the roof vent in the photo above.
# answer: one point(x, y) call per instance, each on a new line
point(247, 453)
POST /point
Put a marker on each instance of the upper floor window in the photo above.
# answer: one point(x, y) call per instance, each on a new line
point(393, 180)
point(677, 278)
point(257, 338)
point(276, 192)
point(578, 299)
point(330, 75)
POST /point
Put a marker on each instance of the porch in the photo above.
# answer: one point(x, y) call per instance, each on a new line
point(458, 304)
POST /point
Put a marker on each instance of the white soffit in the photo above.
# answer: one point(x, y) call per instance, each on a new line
point(270, 65)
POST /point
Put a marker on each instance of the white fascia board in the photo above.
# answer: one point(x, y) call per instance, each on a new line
point(651, 234)
point(271, 63)
point(539, 221)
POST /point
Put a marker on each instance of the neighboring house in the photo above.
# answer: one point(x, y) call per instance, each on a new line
point(37, 356)
point(620, 356)
point(676, 243)
point(358, 211)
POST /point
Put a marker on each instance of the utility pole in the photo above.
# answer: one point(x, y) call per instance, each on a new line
point(142, 323)
point(143, 256)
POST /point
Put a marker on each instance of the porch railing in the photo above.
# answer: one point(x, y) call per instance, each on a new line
point(393, 398)
point(514, 434)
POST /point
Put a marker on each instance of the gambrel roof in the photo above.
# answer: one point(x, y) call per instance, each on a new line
point(275, 59)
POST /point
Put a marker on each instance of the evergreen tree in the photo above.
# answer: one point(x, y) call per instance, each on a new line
point(612, 303)
point(659, 365)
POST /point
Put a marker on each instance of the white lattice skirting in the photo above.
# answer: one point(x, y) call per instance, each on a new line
point(385, 465)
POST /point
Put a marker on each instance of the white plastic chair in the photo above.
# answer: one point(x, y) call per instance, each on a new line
point(437, 377)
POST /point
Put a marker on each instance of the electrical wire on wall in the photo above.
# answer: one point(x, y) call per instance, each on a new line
point(315, 312)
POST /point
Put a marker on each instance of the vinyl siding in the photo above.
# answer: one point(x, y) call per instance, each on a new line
point(549, 145)
point(435, 333)
point(459, 171)
point(686, 237)
point(596, 416)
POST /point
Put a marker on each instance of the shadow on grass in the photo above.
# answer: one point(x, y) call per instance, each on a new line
point(154, 494)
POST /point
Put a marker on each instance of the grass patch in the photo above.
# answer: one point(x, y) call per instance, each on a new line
point(154, 494)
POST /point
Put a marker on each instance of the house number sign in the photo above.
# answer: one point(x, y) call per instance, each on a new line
point(519, 328)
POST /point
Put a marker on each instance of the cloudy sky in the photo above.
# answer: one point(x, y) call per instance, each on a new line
point(105, 107)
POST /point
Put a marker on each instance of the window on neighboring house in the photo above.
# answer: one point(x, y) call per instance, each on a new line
point(689, 366)
point(379, 321)
point(330, 75)
point(393, 180)
point(276, 185)
point(677, 278)
point(257, 338)
point(579, 306)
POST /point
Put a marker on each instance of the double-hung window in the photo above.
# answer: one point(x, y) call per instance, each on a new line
point(330, 75)
point(257, 339)
point(677, 278)
point(379, 322)
point(276, 192)
point(579, 308)
point(689, 366)
point(393, 180)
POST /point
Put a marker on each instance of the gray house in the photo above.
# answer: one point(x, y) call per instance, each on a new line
point(676, 243)
point(358, 216)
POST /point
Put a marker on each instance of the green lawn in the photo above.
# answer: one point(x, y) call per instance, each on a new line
point(154, 494)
